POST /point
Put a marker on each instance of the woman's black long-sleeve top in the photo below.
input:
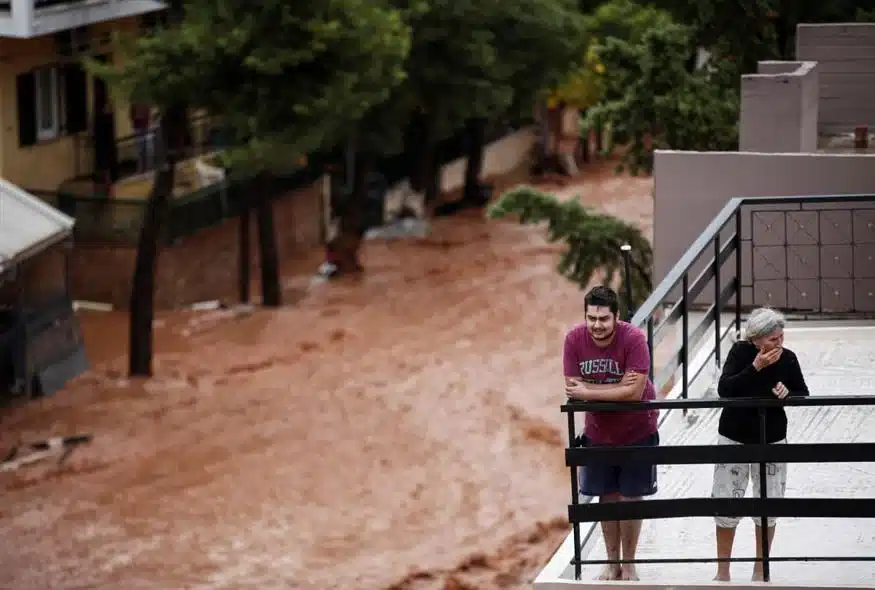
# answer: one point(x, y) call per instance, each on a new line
point(741, 379)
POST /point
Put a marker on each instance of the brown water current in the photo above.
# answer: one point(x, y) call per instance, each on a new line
point(398, 431)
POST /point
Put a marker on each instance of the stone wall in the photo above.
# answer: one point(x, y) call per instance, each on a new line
point(197, 268)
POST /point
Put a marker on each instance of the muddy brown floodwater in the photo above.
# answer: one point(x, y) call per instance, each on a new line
point(401, 431)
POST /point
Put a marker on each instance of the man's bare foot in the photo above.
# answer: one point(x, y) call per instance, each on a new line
point(610, 572)
point(757, 576)
point(722, 577)
point(629, 573)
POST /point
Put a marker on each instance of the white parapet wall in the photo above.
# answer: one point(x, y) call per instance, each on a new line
point(690, 189)
point(779, 108)
point(502, 156)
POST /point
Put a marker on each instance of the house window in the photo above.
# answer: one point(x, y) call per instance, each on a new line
point(52, 102)
point(48, 109)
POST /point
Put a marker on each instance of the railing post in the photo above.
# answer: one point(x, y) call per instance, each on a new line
point(575, 526)
point(717, 307)
point(764, 517)
point(738, 271)
point(685, 337)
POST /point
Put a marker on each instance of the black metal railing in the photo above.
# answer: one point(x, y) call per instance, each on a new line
point(762, 507)
point(136, 153)
point(763, 251)
point(114, 220)
point(809, 256)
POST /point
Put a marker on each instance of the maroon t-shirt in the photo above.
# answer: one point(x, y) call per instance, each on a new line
point(593, 364)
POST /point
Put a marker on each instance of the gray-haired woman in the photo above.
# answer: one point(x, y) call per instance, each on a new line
point(757, 366)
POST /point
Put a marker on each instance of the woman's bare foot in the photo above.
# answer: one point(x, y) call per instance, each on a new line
point(757, 575)
point(629, 573)
point(722, 577)
point(610, 572)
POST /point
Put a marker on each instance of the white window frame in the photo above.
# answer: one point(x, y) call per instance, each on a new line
point(49, 129)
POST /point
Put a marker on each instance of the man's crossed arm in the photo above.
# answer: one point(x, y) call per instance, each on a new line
point(629, 388)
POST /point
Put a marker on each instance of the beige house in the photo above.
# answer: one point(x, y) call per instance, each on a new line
point(48, 102)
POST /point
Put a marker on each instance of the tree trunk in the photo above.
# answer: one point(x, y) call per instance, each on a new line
point(271, 293)
point(142, 301)
point(414, 145)
point(599, 138)
point(433, 176)
point(542, 139)
point(586, 143)
point(474, 165)
point(345, 247)
point(425, 173)
point(244, 254)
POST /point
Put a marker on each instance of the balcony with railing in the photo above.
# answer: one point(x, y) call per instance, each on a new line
point(813, 258)
point(33, 18)
point(134, 155)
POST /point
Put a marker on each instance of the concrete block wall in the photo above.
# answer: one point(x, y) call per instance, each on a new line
point(779, 108)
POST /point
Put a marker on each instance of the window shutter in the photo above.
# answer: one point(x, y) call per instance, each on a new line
point(75, 98)
point(26, 109)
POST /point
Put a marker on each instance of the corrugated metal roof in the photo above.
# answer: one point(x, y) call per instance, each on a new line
point(27, 226)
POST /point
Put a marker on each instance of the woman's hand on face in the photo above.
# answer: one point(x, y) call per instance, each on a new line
point(765, 359)
point(780, 390)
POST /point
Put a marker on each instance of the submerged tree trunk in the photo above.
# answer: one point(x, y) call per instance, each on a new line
point(243, 251)
point(426, 177)
point(142, 300)
point(433, 174)
point(271, 292)
point(344, 248)
point(414, 146)
point(474, 166)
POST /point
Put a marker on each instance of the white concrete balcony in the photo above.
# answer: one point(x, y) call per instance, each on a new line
point(33, 18)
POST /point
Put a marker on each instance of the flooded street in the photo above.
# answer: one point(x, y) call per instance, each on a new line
point(399, 431)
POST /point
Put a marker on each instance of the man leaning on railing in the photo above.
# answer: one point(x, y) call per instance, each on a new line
point(608, 360)
point(757, 366)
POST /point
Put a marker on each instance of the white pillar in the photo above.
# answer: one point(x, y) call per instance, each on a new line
point(22, 16)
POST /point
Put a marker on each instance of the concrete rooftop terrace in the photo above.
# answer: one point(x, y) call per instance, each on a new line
point(837, 359)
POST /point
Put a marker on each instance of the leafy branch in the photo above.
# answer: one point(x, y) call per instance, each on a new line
point(592, 239)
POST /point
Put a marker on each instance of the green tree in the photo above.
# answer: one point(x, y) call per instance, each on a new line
point(470, 63)
point(540, 44)
point(284, 79)
point(169, 145)
point(593, 240)
point(754, 30)
point(653, 101)
point(625, 19)
point(453, 67)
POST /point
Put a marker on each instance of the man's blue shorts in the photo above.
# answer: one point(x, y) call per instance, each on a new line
point(632, 479)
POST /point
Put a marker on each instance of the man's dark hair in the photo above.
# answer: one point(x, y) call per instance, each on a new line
point(602, 296)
